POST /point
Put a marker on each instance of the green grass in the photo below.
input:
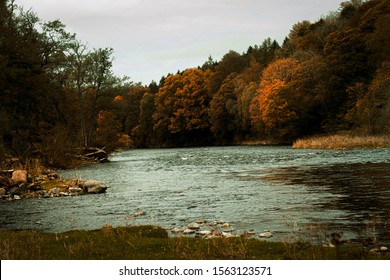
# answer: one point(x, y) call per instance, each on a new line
point(153, 243)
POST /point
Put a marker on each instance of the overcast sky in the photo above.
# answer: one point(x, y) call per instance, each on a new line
point(152, 38)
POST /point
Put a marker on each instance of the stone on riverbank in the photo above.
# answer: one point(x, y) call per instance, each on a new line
point(93, 187)
point(19, 176)
point(44, 186)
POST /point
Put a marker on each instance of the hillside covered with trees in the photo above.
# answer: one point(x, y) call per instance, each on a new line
point(57, 95)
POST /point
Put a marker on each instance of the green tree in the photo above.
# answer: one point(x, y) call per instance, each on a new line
point(143, 134)
point(224, 112)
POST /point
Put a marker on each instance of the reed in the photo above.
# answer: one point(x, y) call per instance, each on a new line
point(343, 141)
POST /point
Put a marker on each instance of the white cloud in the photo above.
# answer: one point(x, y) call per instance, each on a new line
point(154, 37)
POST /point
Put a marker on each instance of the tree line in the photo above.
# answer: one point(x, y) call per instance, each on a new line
point(58, 95)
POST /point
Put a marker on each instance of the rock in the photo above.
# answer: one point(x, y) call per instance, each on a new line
point(16, 197)
point(177, 230)
point(205, 232)
point(34, 187)
point(230, 229)
point(188, 231)
point(75, 190)
point(54, 192)
point(265, 234)
point(247, 234)
point(93, 187)
point(2, 191)
point(3, 181)
point(52, 176)
point(384, 249)
point(22, 188)
point(140, 213)
point(228, 234)
point(46, 195)
point(19, 176)
point(194, 226)
point(14, 190)
point(28, 196)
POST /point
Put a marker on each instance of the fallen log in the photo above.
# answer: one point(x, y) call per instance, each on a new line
point(96, 153)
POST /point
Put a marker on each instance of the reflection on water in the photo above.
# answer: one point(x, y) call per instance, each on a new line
point(292, 193)
point(360, 189)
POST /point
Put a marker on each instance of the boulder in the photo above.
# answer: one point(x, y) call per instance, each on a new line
point(19, 176)
point(93, 187)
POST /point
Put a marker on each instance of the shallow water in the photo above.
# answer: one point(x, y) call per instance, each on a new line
point(295, 194)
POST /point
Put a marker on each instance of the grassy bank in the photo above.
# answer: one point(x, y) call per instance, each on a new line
point(343, 141)
point(152, 243)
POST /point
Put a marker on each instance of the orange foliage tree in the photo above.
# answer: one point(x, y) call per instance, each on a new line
point(269, 108)
point(182, 105)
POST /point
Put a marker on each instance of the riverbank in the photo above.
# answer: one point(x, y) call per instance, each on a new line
point(152, 243)
point(19, 184)
point(343, 141)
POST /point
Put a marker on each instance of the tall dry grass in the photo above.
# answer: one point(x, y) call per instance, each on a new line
point(343, 141)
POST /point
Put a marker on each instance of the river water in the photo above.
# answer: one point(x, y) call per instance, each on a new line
point(295, 194)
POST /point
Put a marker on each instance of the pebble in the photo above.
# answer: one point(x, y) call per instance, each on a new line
point(265, 234)
point(177, 230)
point(229, 229)
point(195, 226)
point(228, 234)
point(384, 249)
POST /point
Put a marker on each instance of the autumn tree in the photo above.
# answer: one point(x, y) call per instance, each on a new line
point(182, 107)
point(270, 107)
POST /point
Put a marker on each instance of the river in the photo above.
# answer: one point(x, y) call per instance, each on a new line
point(295, 194)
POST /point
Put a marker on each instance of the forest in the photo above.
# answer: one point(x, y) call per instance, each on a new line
point(58, 96)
